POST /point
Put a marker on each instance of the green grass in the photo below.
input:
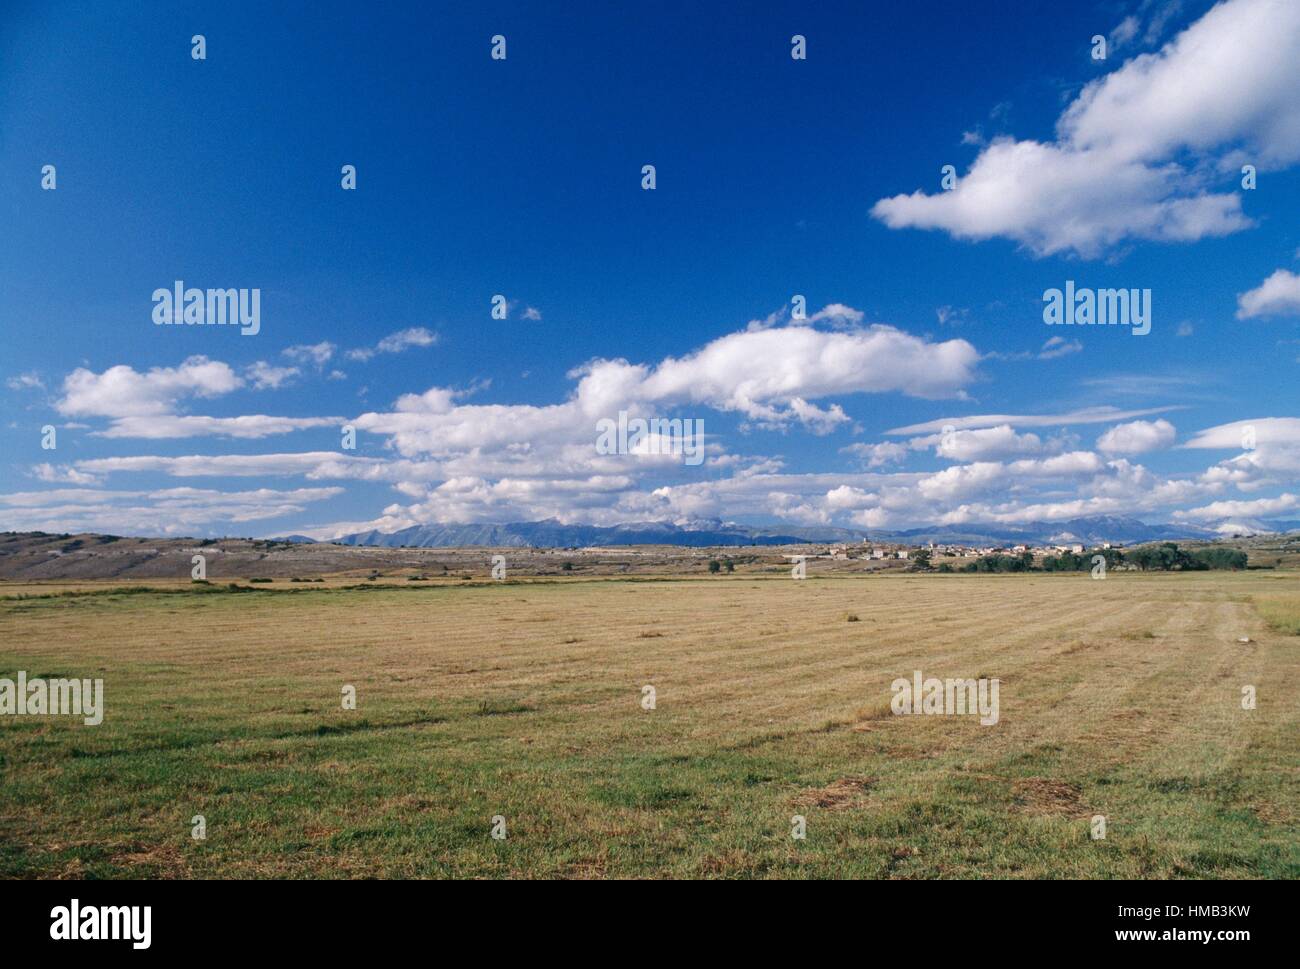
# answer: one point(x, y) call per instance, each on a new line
point(524, 700)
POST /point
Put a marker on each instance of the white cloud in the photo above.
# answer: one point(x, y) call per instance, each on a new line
point(1269, 446)
point(318, 354)
point(1137, 437)
point(988, 443)
point(416, 336)
point(1221, 92)
point(878, 455)
point(450, 459)
point(143, 405)
point(263, 375)
point(63, 474)
point(1124, 32)
point(168, 511)
point(1059, 346)
point(1086, 415)
point(1279, 295)
point(1263, 430)
point(838, 315)
point(122, 392)
point(25, 381)
point(247, 426)
point(761, 373)
point(1227, 509)
point(312, 464)
point(770, 376)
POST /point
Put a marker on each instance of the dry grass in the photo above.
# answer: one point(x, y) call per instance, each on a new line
point(525, 701)
point(1281, 613)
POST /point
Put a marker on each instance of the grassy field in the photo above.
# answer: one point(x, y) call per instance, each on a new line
point(1119, 698)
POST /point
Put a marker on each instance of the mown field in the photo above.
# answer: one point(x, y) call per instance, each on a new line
point(1120, 698)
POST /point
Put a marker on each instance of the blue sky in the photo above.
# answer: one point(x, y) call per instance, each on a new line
point(926, 391)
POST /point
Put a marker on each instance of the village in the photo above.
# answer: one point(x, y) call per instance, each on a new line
point(878, 551)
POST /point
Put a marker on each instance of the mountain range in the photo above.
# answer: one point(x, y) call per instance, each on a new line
point(1092, 530)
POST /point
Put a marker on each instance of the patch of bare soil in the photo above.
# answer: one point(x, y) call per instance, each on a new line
point(839, 795)
point(1041, 795)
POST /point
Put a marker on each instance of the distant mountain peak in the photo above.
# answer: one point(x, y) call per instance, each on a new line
point(701, 533)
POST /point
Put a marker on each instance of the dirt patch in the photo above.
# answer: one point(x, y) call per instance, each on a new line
point(839, 795)
point(1041, 795)
point(165, 860)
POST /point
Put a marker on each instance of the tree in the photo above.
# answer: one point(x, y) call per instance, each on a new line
point(715, 565)
point(1218, 557)
point(921, 558)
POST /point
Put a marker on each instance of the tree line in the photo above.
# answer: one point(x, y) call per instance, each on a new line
point(1164, 557)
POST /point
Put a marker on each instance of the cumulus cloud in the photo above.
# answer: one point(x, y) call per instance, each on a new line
point(63, 474)
point(263, 375)
point(145, 405)
point(770, 376)
point(1228, 509)
point(762, 373)
point(1137, 153)
point(987, 444)
point(1269, 446)
point(122, 392)
point(1137, 437)
point(878, 455)
point(449, 458)
point(1279, 295)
